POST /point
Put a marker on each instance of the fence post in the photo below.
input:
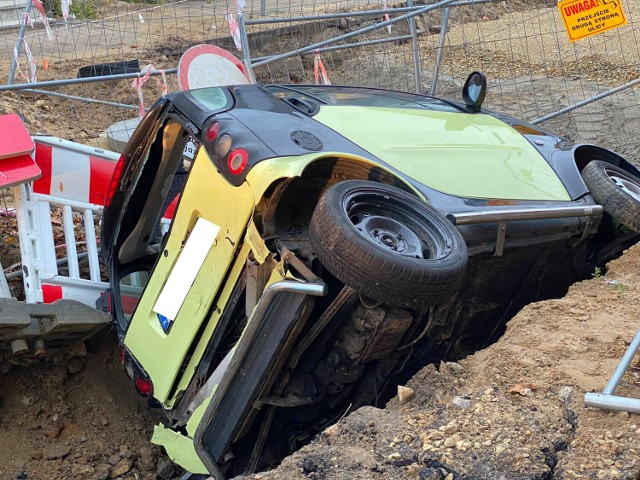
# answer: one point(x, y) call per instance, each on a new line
point(415, 52)
point(244, 42)
point(19, 42)
point(443, 35)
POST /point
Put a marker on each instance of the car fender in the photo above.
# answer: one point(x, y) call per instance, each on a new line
point(569, 160)
point(270, 171)
point(565, 157)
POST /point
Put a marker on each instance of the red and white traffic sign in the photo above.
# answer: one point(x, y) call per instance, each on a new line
point(210, 66)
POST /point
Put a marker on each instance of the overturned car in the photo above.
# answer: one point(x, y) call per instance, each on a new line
point(326, 242)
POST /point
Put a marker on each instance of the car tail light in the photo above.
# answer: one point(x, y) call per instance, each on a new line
point(237, 161)
point(144, 387)
point(122, 356)
point(212, 132)
point(223, 145)
point(115, 181)
point(128, 367)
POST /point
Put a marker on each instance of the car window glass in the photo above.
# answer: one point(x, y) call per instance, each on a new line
point(131, 288)
point(214, 98)
point(365, 97)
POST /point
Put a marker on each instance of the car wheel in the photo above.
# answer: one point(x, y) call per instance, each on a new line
point(617, 190)
point(387, 244)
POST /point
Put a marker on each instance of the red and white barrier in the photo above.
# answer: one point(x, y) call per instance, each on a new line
point(73, 172)
point(74, 179)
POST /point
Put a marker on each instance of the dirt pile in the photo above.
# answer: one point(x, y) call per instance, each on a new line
point(512, 411)
point(77, 418)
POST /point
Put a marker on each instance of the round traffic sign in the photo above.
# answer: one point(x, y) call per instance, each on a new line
point(210, 66)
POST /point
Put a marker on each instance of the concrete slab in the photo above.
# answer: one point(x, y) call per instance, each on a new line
point(119, 133)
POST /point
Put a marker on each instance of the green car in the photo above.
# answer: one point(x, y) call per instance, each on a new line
point(327, 242)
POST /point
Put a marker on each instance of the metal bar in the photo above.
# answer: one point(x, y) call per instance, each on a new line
point(60, 261)
point(263, 7)
point(19, 42)
point(92, 245)
point(363, 13)
point(631, 351)
point(506, 215)
point(612, 402)
point(70, 241)
point(96, 288)
point(415, 52)
point(586, 101)
point(76, 147)
point(331, 16)
point(76, 81)
point(444, 28)
point(82, 99)
point(349, 45)
point(361, 31)
point(244, 42)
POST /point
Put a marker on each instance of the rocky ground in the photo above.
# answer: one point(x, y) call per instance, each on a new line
point(77, 417)
point(512, 411)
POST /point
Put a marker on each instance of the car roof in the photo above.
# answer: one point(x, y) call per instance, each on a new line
point(200, 104)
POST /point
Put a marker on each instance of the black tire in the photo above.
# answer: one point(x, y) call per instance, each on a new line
point(354, 229)
point(617, 190)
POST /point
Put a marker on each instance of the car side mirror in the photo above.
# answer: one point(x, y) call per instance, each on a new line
point(474, 91)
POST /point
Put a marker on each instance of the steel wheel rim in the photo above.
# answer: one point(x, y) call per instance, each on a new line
point(387, 223)
point(627, 184)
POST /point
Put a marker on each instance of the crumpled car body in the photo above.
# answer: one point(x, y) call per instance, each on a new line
point(324, 243)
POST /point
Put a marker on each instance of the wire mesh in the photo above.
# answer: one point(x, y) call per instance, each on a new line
point(534, 70)
point(532, 67)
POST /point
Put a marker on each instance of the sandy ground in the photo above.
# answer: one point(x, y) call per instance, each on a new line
point(77, 417)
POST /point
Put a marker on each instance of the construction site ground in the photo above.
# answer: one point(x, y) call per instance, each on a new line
point(511, 411)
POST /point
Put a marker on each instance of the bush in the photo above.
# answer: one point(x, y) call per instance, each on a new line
point(78, 8)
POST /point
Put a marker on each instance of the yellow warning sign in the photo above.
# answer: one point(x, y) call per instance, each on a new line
point(583, 18)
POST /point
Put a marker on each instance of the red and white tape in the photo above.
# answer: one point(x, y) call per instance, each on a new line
point(64, 6)
point(43, 16)
point(234, 29)
point(319, 72)
point(386, 15)
point(143, 77)
point(30, 73)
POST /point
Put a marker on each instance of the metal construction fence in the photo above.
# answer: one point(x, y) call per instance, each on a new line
point(534, 72)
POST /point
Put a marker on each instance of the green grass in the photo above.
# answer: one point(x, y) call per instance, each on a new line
point(80, 9)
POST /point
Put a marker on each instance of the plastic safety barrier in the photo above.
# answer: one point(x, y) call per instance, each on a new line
point(74, 182)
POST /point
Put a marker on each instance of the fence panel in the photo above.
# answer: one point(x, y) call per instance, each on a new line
point(532, 67)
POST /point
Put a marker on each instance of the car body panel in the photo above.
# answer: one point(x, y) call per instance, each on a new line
point(259, 180)
point(268, 171)
point(212, 323)
point(203, 197)
point(179, 448)
point(450, 152)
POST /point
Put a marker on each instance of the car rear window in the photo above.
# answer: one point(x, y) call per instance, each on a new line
point(214, 99)
point(366, 97)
